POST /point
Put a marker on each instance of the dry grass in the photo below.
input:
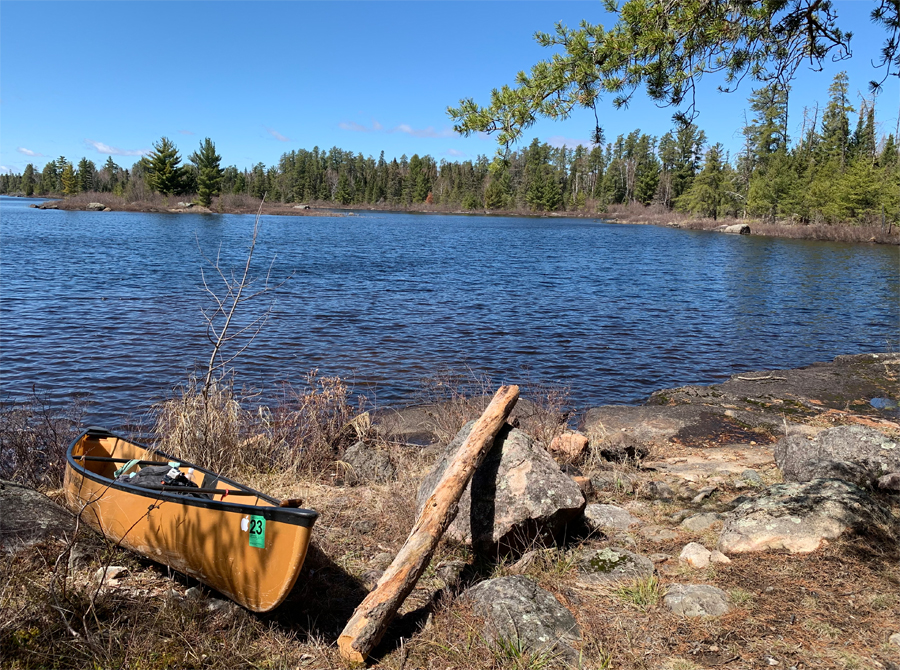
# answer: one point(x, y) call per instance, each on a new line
point(833, 609)
point(850, 233)
point(34, 435)
point(303, 435)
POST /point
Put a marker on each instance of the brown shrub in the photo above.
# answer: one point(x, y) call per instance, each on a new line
point(34, 436)
point(303, 433)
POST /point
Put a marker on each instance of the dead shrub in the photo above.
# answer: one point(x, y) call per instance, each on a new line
point(209, 430)
point(231, 433)
point(34, 436)
point(454, 398)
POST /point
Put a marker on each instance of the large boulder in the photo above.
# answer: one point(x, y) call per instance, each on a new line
point(517, 495)
point(737, 229)
point(799, 517)
point(516, 610)
point(29, 517)
point(854, 453)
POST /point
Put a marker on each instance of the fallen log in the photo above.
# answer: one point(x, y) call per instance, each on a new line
point(368, 623)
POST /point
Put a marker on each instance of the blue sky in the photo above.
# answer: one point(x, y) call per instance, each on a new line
point(95, 79)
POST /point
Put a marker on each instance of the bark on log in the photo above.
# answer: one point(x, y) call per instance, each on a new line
point(368, 623)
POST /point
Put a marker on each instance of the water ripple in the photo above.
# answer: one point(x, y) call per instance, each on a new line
point(109, 303)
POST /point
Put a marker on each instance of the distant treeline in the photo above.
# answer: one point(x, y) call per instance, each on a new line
point(834, 172)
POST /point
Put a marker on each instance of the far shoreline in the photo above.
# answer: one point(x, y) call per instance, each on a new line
point(619, 214)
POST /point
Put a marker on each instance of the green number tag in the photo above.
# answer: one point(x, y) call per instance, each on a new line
point(257, 532)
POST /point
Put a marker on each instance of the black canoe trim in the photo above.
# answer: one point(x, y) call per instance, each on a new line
point(291, 515)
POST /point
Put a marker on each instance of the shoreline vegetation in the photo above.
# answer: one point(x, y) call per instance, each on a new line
point(674, 470)
point(833, 180)
point(634, 213)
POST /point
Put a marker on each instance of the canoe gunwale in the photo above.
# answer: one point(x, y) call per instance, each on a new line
point(289, 515)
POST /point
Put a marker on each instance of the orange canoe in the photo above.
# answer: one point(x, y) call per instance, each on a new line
point(239, 541)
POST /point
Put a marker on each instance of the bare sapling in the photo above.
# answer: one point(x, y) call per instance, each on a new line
point(237, 291)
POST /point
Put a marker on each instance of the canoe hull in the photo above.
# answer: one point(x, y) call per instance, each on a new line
point(250, 551)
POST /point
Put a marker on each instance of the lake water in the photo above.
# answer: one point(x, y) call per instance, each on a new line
point(109, 304)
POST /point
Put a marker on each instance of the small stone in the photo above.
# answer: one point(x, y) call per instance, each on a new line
point(381, 561)
point(658, 533)
point(220, 605)
point(370, 578)
point(194, 593)
point(681, 515)
point(364, 526)
point(697, 600)
point(569, 446)
point(703, 494)
point(717, 556)
point(701, 522)
point(611, 564)
point(659, 490)
point(110, 576)
point(525, 562)
point(895, 639)
point(659, 558)
point(771, 661)
point(612, 481)
point(584, 483)
point(515, 608)
point(598, 516)
point(449, 572)
point(695, 555)
point(889, 482)
point(751, 478)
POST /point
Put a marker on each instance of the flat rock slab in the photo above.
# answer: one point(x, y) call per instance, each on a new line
point(29, 517)
point(799, 517)
point(611, 564)
point(599, 516)
point(517, 610)
point(846, 383)
point(715, 462)
point(695, 600)
point(753, 406)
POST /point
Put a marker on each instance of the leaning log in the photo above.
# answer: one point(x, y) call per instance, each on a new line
point(368, 623)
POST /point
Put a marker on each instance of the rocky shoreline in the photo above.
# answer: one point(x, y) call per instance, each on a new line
point(752, 523)
point(840, 233)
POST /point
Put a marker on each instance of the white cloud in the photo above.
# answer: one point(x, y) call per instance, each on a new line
point(28, 152)
point(278, 136)
point(115, 151)
point(187, 132)
point(423, 132)
point(455, 153)
point(360, 128)
point(560, 141)
point(3, 168)
point(402, 128)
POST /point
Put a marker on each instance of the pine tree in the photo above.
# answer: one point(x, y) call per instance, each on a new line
point(162, 168)
point(69, 180)
point(111, 171)
point(836, 121)
point(86, 170)
point(706, 193)
point(28, 180)
point(209, 172)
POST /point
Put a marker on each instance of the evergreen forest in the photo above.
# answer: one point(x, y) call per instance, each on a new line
point(838, 169)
